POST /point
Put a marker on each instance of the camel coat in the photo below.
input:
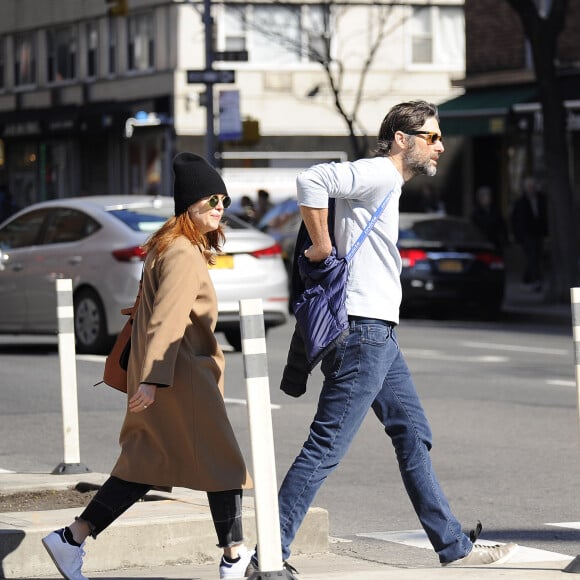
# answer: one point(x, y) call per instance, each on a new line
point(184, 438)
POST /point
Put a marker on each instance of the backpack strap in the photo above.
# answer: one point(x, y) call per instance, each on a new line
point(368, 227)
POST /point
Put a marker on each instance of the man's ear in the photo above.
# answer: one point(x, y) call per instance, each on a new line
point(400, 140)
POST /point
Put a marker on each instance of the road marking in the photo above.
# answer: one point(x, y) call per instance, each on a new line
point(572, 525)
point(244, 403)
point(516, 348)
point(92, 357)
point(561, 383)
point(439, 356)
point(418, 539)
point(100, 358)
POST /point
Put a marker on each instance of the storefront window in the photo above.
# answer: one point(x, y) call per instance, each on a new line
point(23, 161)
point(146, 161)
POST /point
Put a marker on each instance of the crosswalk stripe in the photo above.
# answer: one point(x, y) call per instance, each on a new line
point(244, 403)
point(561, 383)
point(418, 539)
point(439, 356)
point(572, 525)
point(516, 348)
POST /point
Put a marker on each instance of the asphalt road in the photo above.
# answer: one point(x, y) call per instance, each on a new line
point(501, 398)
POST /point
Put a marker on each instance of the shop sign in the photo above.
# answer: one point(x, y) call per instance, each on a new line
point(60, 125)
point(21, 129)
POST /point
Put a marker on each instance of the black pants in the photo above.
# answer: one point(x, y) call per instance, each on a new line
point(117, 496)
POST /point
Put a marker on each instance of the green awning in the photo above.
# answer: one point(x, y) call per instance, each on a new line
point(483, 111)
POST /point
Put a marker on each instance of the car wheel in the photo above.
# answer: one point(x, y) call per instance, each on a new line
point(234, 337)
point(90, 323)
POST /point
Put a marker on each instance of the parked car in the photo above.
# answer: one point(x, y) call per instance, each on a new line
point(96, 241)
point(447, 263)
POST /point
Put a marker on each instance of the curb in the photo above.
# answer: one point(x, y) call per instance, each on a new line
point(175, 529)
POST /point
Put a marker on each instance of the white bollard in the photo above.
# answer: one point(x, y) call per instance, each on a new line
point(574, 566)
point(68, 379)
point(262, 441)
point(575, 297)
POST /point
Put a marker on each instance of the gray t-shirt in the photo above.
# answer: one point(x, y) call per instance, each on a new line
point(374, 286)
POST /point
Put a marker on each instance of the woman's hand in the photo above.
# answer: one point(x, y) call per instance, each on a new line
point(143, 398)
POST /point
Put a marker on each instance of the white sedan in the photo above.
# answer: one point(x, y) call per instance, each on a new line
point(96, 241)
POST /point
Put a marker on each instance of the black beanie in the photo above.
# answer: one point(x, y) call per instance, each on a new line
point(194, 179)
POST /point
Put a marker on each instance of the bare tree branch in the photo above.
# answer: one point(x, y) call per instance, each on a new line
point(320, 49)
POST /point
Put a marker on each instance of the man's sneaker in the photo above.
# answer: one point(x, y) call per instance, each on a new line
point(236, 569)
point(66, 557)
point(483, 555)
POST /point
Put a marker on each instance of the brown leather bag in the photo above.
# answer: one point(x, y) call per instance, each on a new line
point(115, 372)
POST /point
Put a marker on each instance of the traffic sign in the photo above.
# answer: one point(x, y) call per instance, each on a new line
point(231, 55)
point(210, 76)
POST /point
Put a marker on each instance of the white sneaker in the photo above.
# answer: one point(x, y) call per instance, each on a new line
point(66, 557)
point(485, 555)
point(236, 569)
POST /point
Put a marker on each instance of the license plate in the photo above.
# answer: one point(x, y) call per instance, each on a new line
point(223, 263)
point(450, 266)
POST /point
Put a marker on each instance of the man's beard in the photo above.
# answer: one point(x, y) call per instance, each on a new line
point(417, 165)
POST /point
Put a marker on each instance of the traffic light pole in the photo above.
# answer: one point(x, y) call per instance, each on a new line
point(209, 112)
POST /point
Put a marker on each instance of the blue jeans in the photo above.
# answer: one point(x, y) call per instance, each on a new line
point(368, 370)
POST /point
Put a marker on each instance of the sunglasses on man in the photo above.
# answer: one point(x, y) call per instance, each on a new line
point(215, 199)
point(430, 136)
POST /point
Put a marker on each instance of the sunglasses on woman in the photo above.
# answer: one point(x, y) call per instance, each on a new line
point(215, 199)
point(430, 136)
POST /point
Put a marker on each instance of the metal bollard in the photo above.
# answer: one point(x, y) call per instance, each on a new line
point(574, 566)
point(68, 380)
point(262, 442)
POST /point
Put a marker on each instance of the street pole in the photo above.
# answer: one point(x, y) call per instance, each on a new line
point(209, 137)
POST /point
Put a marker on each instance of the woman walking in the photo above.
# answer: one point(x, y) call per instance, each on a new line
point(176, 431)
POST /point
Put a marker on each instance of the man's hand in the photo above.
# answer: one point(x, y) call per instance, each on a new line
point(317, 254)
point(316, 222)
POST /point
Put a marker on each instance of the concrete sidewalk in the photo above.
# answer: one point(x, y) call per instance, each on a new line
point(172, 536)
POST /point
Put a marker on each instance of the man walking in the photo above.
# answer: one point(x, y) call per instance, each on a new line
point(367, 369)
